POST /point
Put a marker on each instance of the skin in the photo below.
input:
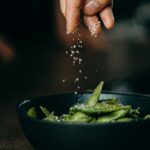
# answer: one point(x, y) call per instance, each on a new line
point(91, 10)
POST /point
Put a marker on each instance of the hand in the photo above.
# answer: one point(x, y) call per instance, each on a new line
point(91, 10)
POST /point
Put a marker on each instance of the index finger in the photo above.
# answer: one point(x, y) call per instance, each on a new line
point(73, 10)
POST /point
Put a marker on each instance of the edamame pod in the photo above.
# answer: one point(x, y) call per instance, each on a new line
point(93, 99)
point(114, 116)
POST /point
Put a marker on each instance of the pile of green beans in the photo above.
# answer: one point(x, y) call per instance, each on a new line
point(95, 111)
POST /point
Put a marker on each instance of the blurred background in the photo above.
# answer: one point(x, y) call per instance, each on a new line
point(33, 42)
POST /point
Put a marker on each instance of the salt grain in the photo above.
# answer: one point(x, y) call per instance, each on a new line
point(64, 80)
point(80, 71)
point(75, 92)
point(76, 80)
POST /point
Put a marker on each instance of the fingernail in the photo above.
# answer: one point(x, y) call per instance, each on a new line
point(91, 6)
point(107, 23)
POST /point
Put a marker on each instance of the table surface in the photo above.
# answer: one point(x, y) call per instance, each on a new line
point(11, 135)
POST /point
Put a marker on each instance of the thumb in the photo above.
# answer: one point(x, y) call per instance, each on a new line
point(92, 7)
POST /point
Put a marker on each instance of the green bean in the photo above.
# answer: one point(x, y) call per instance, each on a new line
point(93, 99)
point(114, 116)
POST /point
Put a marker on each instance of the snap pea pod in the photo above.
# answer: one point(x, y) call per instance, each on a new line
point(100, 108)
point(93, 99)
point(80, 117)
point(147, 117)
point(113, 100)
point(32, 112)
point(114, 116)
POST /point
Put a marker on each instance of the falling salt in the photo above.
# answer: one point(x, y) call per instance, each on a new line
point(64, 80)
point(77, 52)
point(85, 77)
point(75, 92)
point(78, 87)
point(74, 46)
point(72, 52)
point(80, 71)
point(76, 80)
point(67, 52)
point(80, 59)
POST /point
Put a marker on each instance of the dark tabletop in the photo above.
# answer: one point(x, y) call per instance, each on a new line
point(11, 135)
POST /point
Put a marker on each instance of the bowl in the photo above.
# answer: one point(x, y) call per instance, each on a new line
point(85, 136)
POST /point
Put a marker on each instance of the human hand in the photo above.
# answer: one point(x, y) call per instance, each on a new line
point(91, 11)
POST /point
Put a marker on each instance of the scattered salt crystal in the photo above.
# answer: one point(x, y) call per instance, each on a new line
point(80, 59)
point(78, 87)
point(66, 52)
point(77, 79)
point(77, 52)
point(64, 80)
point(85, 77)
point(75, 92)
point(72, 52)
point(74, 46)
point(74, 62)
point(80, 71)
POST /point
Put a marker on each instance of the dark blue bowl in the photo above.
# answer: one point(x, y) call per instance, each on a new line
point(62, 136)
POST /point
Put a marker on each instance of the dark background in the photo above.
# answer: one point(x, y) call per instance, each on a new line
point(31, 27)
point(35, 29)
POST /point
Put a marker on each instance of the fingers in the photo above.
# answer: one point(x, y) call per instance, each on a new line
point(63, 6)
point(92, 7)
point(73, 8)
point(93, 24)
point(107, 17)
